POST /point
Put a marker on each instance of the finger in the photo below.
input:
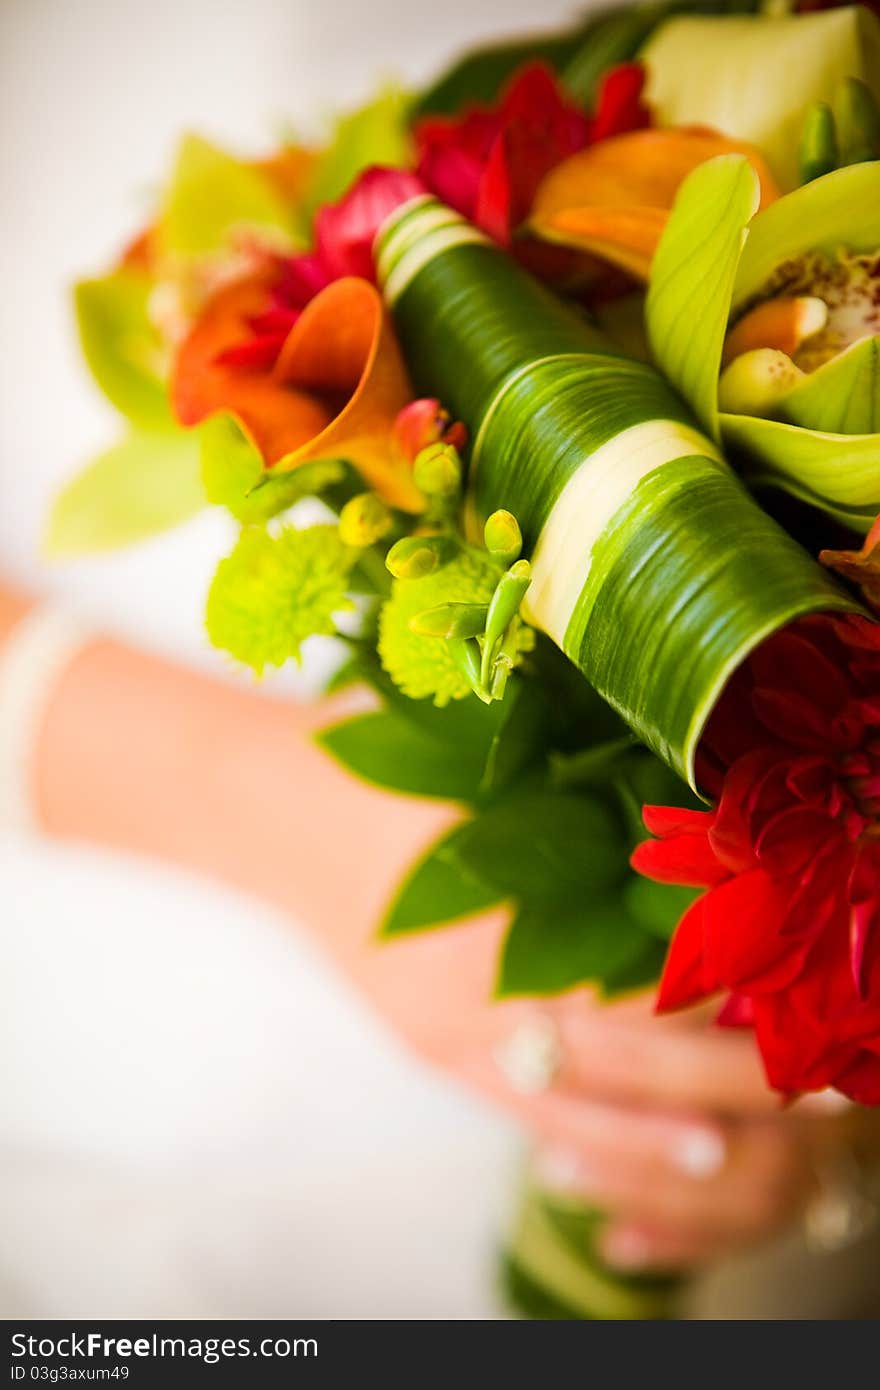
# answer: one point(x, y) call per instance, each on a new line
point(641, 1142)
point(645, 1063)
point(633, 1246)
point(764, 1181)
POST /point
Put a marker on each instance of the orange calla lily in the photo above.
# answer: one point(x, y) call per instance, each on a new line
point(613, 198)
point(334, 391)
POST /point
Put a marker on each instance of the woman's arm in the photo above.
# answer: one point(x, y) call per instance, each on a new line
point(668, 1124)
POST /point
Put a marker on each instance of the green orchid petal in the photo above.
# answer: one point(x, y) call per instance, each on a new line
point(143, 485)
point(377, 133)
point(840, 397)
point(840, 469)
point(692, 278)
point(857, 519)
point(841, 209)
point(121, 346)
point(211, 194)
point(755, 77)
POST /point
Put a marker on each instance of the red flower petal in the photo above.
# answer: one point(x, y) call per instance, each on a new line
point(686, 859)
point(684, 979)
point(864, 899)
point(619, 107)
point(664, 821)
point(738, 1011)
point(345, 231)
point(744, 947)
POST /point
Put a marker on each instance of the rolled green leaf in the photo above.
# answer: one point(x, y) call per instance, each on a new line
point(652, 568)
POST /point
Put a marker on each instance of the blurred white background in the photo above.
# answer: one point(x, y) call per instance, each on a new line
point(196, 1119)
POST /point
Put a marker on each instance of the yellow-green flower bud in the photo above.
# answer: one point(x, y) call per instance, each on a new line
point(818, 153)
point(858, 122)
point(437, 471)
point(364, 520)
point(450, 620)
point(503, 537)
point(415, 556)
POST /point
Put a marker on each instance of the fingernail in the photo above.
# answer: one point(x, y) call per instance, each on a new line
point(825, 1102)
point(626, 1248)
point(701, 1153)
point(558, 1169)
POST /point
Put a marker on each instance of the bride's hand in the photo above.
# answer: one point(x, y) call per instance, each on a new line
point(667, 1124)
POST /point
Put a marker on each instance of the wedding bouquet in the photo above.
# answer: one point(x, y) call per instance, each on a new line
point(579, 351)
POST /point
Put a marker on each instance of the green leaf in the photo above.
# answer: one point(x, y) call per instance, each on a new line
point(546, 952)
point(614, 36)
point(840, 397)
point(437, 890)
point(479, 75)
point(755, 77)
point(274, 591)
point(377, 133)
point(657, 907)
point(594, 766)
point(212, 194)
point(641, 970)
point(692, 278)
point(390, 751)
point(234, 476)
point(545, 849)
point(121, 346)
point(146, 484)
point(521, 737)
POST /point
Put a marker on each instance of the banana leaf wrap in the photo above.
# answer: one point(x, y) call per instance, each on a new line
point(653, 569)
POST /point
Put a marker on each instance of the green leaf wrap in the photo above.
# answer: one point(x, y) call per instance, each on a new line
point(653, 569)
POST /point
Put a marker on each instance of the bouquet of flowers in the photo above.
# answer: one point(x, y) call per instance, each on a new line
point(580, 352)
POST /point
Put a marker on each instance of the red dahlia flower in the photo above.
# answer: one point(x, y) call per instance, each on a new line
point(488, 162)
point(790, 925)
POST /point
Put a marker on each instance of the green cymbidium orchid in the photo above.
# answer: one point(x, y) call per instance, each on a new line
point(784, 304)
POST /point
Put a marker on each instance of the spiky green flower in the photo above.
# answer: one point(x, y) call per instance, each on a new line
point(274, 591)
point(423, 666)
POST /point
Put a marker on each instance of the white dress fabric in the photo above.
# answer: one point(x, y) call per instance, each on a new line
point(197, 1118)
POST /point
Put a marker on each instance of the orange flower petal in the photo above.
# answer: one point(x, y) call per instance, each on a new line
point(625, 236)
point(343, 350)
point(633, 180)
point(335, 391)
point(781, 323)
point(276, 418)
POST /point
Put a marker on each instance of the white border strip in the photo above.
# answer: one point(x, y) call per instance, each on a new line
point(593, 494)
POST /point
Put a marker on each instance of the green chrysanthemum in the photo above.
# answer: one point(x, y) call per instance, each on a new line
point(423, 666)
point(273, 592)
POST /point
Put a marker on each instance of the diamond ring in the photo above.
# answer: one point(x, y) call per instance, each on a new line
point(531, 1056)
